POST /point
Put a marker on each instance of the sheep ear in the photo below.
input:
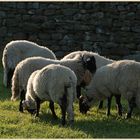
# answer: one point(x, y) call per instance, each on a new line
point(86, 59)
point(81, 97)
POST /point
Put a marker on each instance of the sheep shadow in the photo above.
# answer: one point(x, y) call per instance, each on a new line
point(108, 127)
point(48, 118)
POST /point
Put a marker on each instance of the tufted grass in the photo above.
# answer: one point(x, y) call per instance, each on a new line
point(93, 125)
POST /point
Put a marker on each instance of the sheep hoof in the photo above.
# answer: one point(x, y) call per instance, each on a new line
point(63, 122)
point(62, 125)
point(108, 114)
point(21, 110)
point(100, 107)
point(55, 117)
point(36, 115)
point(120, 113)
point(71, 122)
point(128, 116)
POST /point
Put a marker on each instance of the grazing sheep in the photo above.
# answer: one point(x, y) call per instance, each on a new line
point(29, 65)
point(16, 51)
point(118, 78)
point(100, 61)
point(55, 83)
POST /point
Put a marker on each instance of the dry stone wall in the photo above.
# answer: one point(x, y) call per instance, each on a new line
point(110, 28)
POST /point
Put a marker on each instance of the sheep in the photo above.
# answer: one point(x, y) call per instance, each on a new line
point(45, 85)
point(100, 61)
point(18, 50)
point(51, 103)
point(24, 69)
point(118, 78)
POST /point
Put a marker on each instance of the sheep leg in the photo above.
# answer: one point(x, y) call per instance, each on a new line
point(38, 106)
point(9, 77)
point(132, 104)
point(78, 89)
point(70, 112)
point(100, 105)
point(51, 105)
point(108, 105)
point(118, 102)
point(63, 109)
point(5, 77)
point(22, 97)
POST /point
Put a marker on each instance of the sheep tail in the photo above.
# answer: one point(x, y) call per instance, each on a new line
point(15, 86)
point(69, 91)
point(69, 99)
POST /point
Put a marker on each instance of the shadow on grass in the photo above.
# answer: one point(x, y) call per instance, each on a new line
point(112, 127)
point(109, 128)
point(48, 118)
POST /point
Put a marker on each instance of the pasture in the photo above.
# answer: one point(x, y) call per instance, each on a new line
point(14, 124)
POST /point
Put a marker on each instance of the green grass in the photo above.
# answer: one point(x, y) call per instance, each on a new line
point(14, 124)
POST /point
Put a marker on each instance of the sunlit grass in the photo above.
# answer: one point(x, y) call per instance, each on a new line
point(95, 124)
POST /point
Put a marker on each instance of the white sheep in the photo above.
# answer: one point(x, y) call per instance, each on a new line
point(55, 83)
point(100, 61)
point(15, 51)
point(29, 65)
point(118, 78)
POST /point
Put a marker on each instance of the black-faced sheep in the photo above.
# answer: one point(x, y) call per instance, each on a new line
point(25, 68)
point(45, 85)
point(118, 78)
point(100, 61)
point(16, 51)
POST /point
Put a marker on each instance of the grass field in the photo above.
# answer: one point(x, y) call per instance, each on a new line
point(93, 125)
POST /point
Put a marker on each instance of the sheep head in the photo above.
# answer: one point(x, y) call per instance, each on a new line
point(27, 106)
point(83, 104)
point(89, 63)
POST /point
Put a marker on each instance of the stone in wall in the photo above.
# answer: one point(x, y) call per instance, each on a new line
point(3, 31)
point(66, 27)
point(135, 57)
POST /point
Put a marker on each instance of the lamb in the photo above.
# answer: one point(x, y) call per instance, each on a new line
point(100, 61)
point(29, 65)
point(118, 78)
point(18, 50)
point(45, 85)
